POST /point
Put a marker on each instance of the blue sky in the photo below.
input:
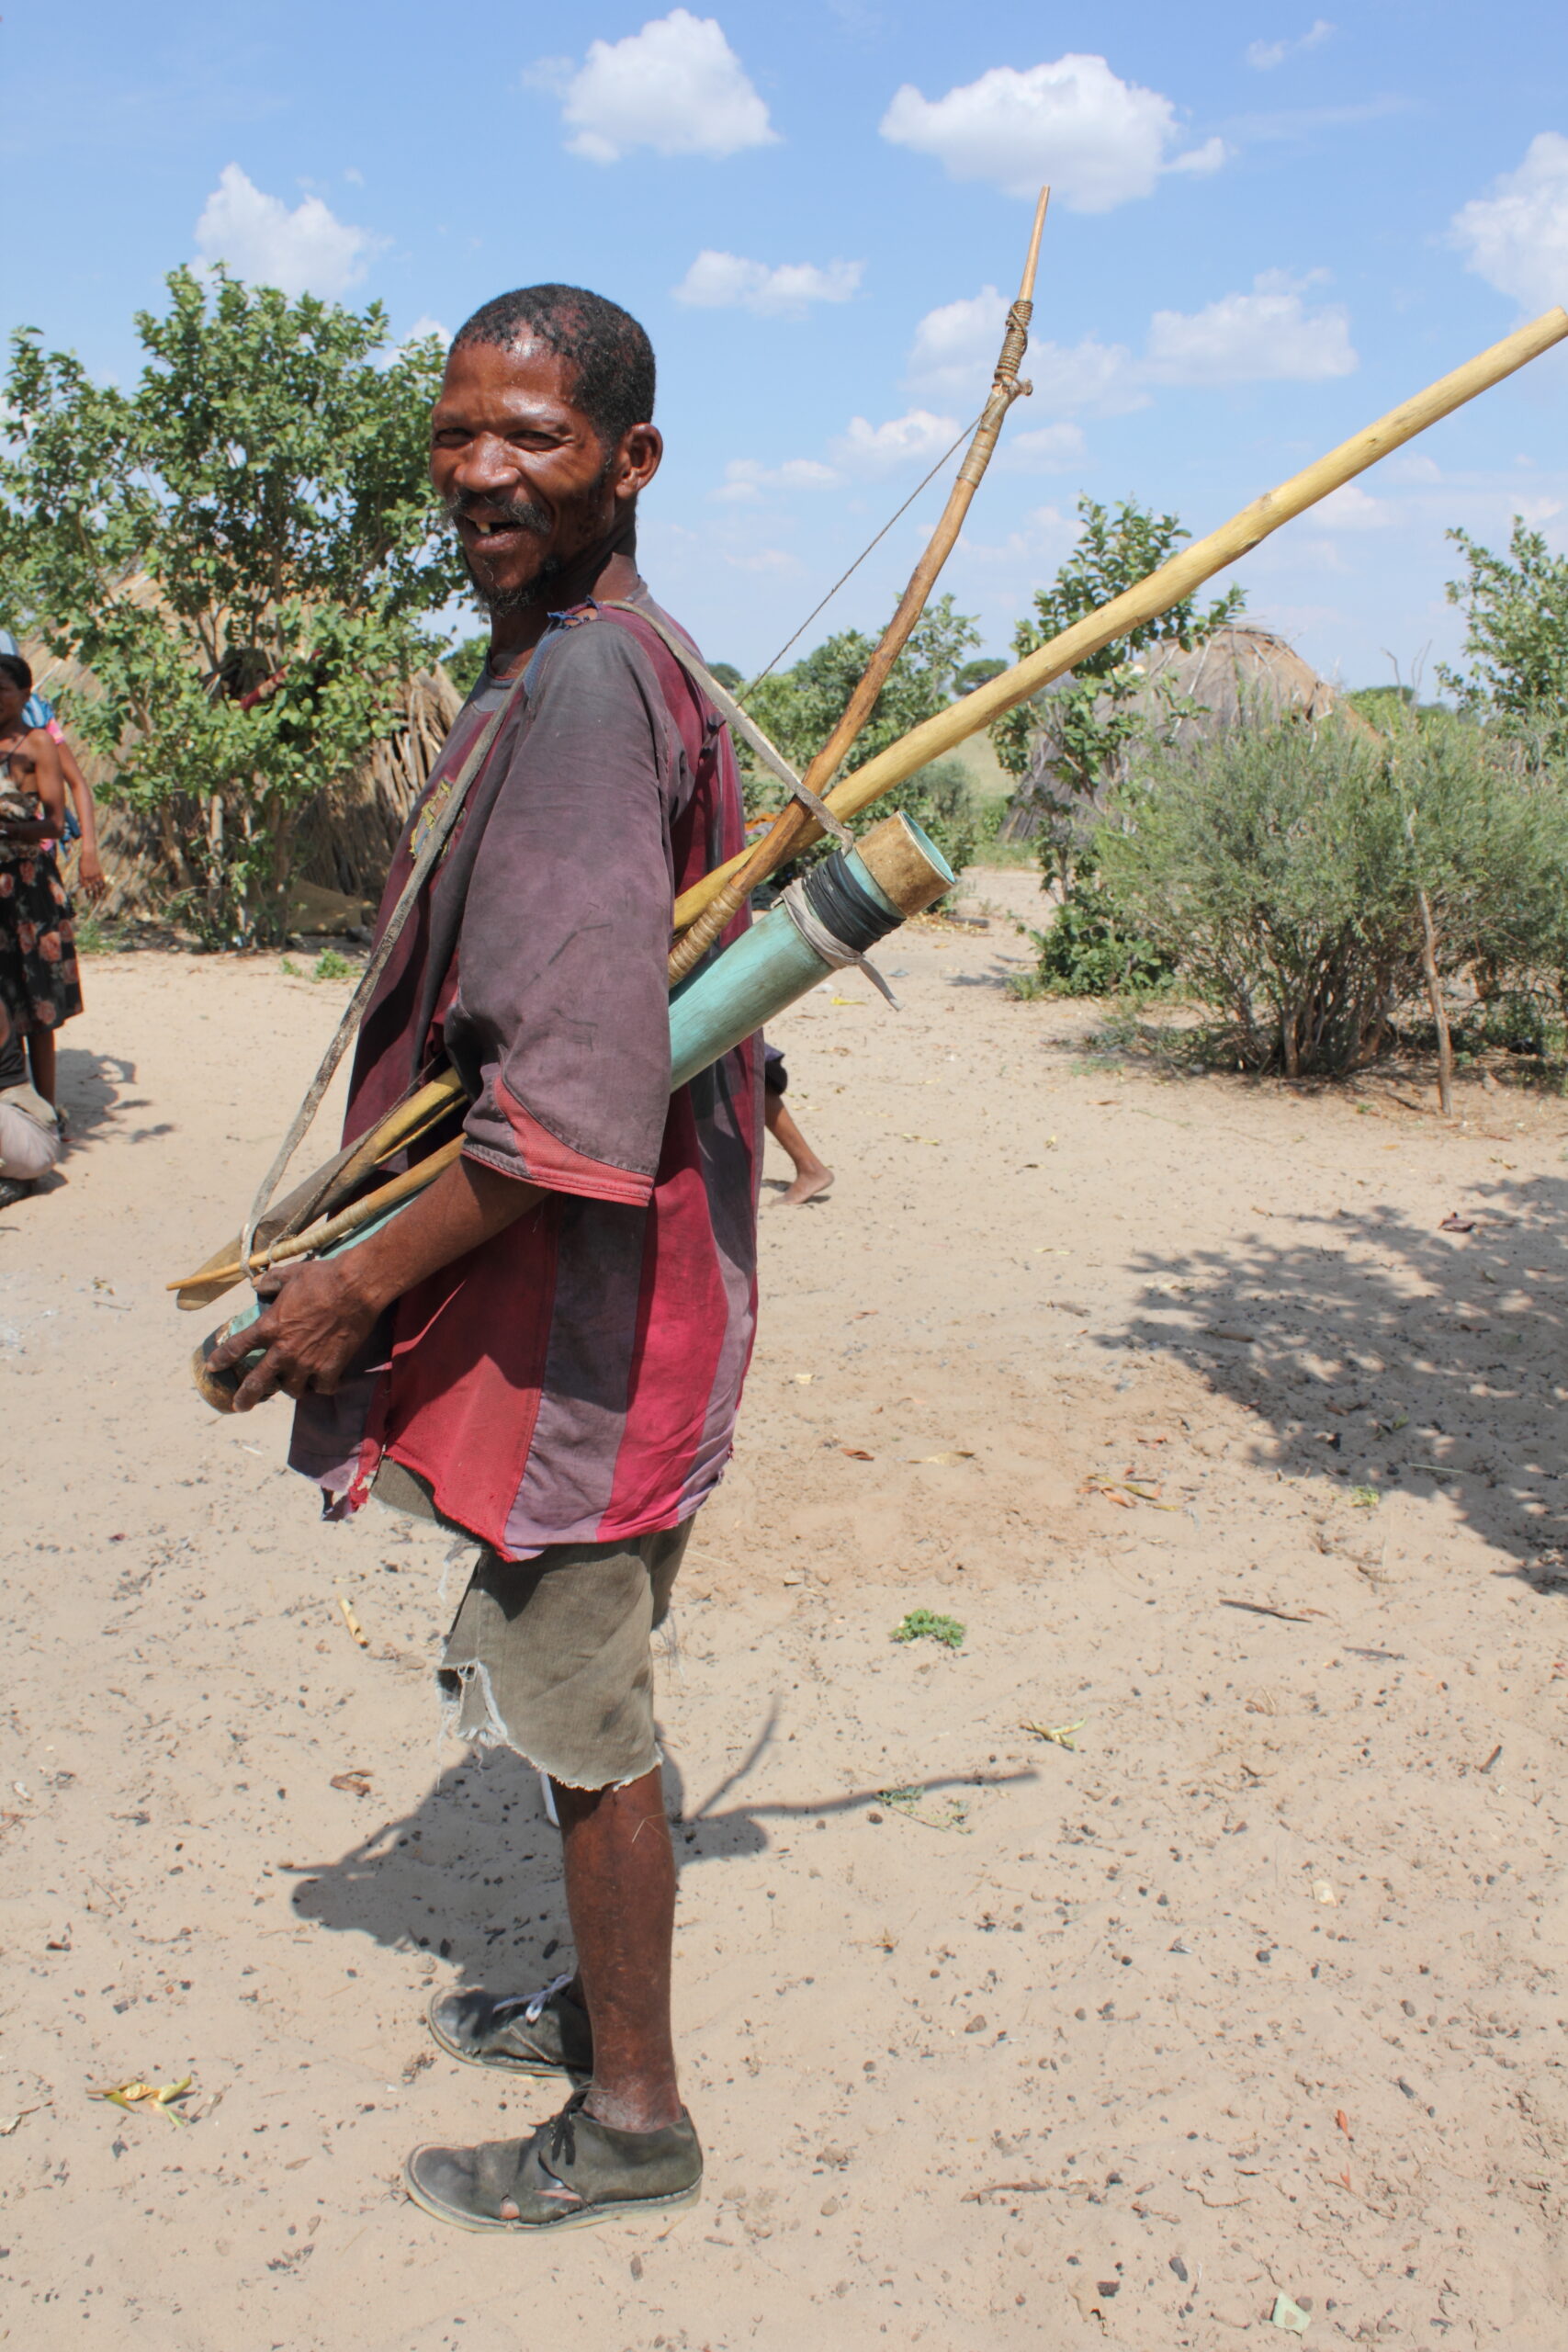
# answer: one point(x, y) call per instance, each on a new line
point(1268, 225)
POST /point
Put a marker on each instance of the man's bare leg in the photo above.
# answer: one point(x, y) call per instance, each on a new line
point(812, 1176)
point(620, 1892)
point(40, 1053)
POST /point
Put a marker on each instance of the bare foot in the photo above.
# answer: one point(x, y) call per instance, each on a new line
point(809, 1185)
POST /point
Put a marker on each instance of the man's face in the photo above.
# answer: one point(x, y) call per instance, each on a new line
point(525, 476)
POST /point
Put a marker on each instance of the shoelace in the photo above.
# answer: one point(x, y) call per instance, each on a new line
point(535, 2008)
point(563, 2135)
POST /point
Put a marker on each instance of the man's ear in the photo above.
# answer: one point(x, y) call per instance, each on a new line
point(637, 459)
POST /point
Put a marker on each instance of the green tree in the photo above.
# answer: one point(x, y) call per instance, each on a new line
point(241, 549)
point(465, 660)
point(1078, 727)
point(798, 708)
point(1516, 633)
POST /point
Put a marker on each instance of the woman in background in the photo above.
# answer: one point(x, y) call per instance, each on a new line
point(81, 815)
point(39, 982)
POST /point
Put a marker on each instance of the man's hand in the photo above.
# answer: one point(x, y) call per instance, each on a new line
point(322, 1313)
point(316, 1323)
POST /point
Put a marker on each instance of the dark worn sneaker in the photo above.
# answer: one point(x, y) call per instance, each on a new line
point(521, 2033)
point(570, 2173)
point(14, 1189)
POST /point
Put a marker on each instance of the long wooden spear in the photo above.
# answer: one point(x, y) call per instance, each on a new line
point(1152, 596)
point(795, 823)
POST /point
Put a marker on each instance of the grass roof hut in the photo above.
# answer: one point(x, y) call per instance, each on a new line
point(1241, 676)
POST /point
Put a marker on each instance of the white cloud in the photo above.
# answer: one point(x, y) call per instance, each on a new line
point(746, 479)
point(766, 560)
point(1097, 140)
point(307, 251)
point(1266, 54)
point(1201, 160)
point(426, 325)
point(1043, 449)
point(955, 352)
point(1100, 378)
point(676, 86)
point(1265, 336)
point(718, 281)
point(1303, 123)
point(1268, 334)
point(1350, 508)
point(866, 448)
point(1517, 237)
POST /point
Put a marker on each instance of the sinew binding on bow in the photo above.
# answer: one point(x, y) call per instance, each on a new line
point(791, 825)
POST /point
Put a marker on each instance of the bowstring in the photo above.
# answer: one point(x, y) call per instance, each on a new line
point(742, 693)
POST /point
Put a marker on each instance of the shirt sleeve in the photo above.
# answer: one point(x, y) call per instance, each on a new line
point(561, 1023)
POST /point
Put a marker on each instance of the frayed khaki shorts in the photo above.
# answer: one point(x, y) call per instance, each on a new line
point(552, 1656)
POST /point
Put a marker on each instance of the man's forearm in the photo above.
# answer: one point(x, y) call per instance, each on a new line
point(318, 1315)
point(467, 1204)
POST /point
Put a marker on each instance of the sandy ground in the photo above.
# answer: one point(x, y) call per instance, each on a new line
point(1257, 1991)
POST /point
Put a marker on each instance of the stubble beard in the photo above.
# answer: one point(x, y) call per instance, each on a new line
point(525, 516)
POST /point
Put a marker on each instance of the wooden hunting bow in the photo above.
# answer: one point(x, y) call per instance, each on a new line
point(785, 834)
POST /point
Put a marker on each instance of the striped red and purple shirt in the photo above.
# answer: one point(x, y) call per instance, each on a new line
point(577, 1379)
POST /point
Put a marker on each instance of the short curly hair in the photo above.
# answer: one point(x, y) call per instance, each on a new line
point(610, 353)
point(12, 667)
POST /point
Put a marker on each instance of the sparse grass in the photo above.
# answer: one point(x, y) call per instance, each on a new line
point(94, 936)
point(924, 1626)
point(331, 965)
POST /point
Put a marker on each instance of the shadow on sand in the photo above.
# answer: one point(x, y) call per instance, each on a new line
point(473, 1872)
point(97, 1094)
point(1382, 1355)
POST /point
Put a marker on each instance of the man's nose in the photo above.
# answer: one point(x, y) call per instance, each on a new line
point(488, 464)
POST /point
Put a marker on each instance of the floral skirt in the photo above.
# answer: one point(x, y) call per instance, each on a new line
point(38, 979)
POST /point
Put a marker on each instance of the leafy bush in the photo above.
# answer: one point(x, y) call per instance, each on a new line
point(1091, 949)
point(942, 802)
point(1277, 868)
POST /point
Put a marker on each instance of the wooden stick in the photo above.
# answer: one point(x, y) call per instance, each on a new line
point(299, 1245)
point(319, 1194)
point(1167, 586)
point(790, 827)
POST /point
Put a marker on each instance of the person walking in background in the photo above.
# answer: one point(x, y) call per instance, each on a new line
point(39, 982)
point(82, 818)
point(812, 1176)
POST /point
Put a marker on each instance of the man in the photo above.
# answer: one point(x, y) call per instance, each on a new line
point(546, 1348)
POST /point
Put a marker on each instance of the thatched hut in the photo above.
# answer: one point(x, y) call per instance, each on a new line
point(346, 839)
point(1241, 675)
